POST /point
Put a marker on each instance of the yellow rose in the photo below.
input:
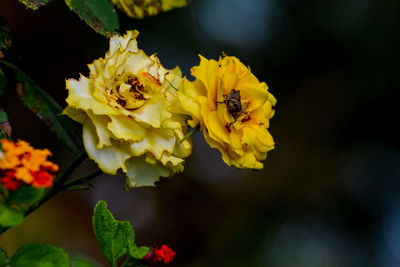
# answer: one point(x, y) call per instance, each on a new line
point(233, 109)
point(127, 108)
point(143, 8)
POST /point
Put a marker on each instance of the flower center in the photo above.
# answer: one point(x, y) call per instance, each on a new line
point(132, 91)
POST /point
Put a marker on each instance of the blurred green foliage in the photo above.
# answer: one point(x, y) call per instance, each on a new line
point(100, 15)
point(25, 195)
point(48, 110)
point(37, 255)
point(9, 216)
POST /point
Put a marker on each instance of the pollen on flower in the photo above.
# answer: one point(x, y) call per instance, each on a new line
point(21, 164)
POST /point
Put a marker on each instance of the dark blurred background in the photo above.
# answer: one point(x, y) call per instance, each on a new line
point(329, 194)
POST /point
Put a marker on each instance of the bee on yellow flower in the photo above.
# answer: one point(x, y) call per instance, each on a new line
point(232, 108)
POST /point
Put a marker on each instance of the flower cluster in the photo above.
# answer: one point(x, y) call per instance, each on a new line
point(127, 107)
point(158, 255)
point(21, 164)
point(135, 113)
point(232, 108)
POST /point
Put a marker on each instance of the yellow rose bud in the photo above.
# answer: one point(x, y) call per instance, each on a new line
point(127, 108)
point(233, 109)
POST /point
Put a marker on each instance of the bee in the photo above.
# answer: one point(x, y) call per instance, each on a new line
point(233, 104)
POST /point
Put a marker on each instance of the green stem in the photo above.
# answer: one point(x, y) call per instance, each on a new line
point(125, 263)
point(190, 133)
point(10, 65)
point(58, 185)
point(16, 69)
point(82, 180)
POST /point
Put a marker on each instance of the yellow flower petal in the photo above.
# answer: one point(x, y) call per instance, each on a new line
point(156, 142)
point(153, 113)
point(188, 94)
point(81, 97)
point(126, 128)
point(206, 73)
point(141, 173)
point(100, 122)
point(256, 94)
point(109, 158)
point(75, 114)
point(216, 129)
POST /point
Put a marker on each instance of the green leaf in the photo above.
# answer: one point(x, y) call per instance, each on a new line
point(26, 195)
point(80, 262)
point(5, 36)
point(3, 257)
point(2, 136)
point(5, 127)
point(10, 217)
point(34, 4)
point(39, 255)
point(3, 116)
point(43, 105)
point(3, 82)
point(138, 252)
point(140, 9)
point(113, 236)
point(99, 14)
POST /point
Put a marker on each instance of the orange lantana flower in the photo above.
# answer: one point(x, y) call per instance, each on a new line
point(21, 164)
